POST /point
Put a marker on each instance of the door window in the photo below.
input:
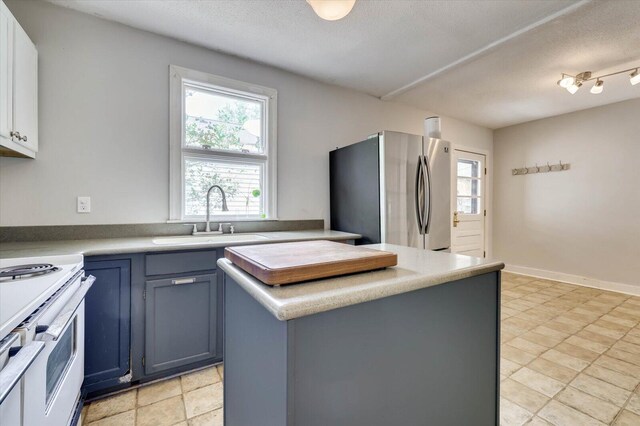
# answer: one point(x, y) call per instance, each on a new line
point(469, 186)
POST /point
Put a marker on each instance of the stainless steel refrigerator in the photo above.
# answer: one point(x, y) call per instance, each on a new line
point(393, 188)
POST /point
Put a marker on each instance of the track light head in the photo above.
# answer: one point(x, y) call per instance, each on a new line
point(573, 88)
point(566, 81)
point(598, 87)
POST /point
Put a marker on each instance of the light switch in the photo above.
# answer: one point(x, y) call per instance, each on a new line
point(84, 204)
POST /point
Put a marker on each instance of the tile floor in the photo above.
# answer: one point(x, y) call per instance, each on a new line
point(570, 356)
point(194, 399)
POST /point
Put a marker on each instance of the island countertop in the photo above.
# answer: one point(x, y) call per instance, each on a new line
point(416, 269)
point(106, 246)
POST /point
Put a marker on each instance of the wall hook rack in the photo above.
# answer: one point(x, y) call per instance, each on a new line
point(526, 170)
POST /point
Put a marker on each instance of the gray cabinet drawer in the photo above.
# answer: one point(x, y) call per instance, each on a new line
point(178, 263)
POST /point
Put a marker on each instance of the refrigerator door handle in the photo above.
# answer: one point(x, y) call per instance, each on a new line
point(418, 193)
point(426, 221)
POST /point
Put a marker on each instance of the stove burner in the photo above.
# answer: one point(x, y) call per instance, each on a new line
point(27, 271)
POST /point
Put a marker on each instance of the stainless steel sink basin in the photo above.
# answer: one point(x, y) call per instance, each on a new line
point(207, 239)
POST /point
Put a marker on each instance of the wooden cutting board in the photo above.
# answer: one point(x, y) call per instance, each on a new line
point(286, 263)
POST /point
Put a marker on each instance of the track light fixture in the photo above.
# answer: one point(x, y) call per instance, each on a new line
point(573, 82)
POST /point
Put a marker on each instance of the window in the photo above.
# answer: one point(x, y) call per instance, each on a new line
point(469, 195)
point(222, 133)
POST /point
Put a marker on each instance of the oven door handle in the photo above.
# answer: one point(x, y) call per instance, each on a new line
point(58, 325)
point(20, 363)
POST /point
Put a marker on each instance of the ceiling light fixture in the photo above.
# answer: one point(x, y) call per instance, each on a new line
point(332, 10)
point(598, 87)
point(573, 83)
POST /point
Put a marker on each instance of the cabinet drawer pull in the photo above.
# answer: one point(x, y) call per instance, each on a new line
point(183, 281)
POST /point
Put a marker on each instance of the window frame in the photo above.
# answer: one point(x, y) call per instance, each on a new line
point(178, 78)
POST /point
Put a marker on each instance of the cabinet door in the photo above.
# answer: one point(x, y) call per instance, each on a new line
point(180, 321)
point(25, 89)
point(6, 71)
point(107, 324)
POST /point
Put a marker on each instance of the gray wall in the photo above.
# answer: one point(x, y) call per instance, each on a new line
point(581, 222)
point(104, 107)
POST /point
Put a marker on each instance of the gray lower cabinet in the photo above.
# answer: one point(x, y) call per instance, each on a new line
point(180, 321)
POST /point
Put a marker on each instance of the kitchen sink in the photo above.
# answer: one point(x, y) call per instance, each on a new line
point(208, 239)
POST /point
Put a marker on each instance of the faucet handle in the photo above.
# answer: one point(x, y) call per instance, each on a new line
point(194, 231)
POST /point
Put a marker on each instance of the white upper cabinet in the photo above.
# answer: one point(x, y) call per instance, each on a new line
point(18, 89)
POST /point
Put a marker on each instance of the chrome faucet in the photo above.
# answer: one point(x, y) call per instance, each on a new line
point(224, 205)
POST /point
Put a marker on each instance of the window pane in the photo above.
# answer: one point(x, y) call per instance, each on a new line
point(468, 187)
point(468, 205)
point(242, 184)
point(214, 120)
point(468, 168)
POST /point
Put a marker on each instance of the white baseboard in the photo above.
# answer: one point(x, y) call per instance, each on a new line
point(631, 289)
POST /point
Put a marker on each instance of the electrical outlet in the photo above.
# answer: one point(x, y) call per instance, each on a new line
point(84, 204)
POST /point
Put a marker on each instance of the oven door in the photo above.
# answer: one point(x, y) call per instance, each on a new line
point(14, 369)
point(52, 393)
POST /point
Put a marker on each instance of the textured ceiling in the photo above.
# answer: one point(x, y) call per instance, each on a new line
point(445, 56)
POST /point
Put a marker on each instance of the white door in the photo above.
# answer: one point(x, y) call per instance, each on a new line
point(468, 204)
point(6, 71)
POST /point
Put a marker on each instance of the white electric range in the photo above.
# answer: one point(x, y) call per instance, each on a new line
point(42, 339)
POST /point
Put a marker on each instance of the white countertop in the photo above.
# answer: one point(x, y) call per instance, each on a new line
point(105, 246)
point(416, 269)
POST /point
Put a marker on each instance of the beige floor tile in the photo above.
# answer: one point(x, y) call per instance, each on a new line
point(577, 351)
point(612, 325)
point(627, 418)
point(595, 407)
point(619, 366)
point(212, 418)
point(538, 421)
point(627, 347)
point(614, 334)
point(541, 339)
point(158, 391)
point(538, 382)
point(561, 415)
point(587, 344)
point(563, 327)
point(565, 360)
point(512, 414)
point(622, 321)
point(631, 339)
point(203, 400)
point(508, 367)
point(221, 370)
point(596, 337)
point(546, 331)
point(163, 413)
point(624, 356)
point(522, 395)
point(553, 370)
point(128, 418)
point(634, 404)
point(516, 355)
point(111, 405)
point(527, 346)
point(620, 380)
point(199, 379)
point(601, 389)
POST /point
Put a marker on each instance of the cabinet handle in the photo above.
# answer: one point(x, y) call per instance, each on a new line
point(15, 134)
point(24, 138)
point(183, 281)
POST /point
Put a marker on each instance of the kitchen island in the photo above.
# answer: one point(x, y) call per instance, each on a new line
point(416, 344)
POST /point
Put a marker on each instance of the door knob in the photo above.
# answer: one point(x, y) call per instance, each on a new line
point(455, 219)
